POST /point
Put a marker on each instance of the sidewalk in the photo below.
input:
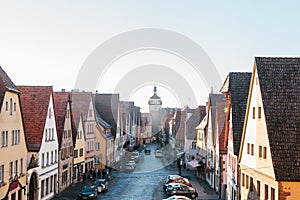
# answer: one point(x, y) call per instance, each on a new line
point(205, 192)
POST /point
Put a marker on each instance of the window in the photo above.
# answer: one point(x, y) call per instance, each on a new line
point(97, 146)
point(51, 184)
point(248, 148)
point(49, 113)
point(10, 173)
point(252, 149)
point(266, 192)
point(75, 153)
point(251, 184)
point(272, 194)
point(51, 157)
point(43, 160)
point(265, 152)
point(55, 155)
point(81, 152)
point(15, 137)
point(47, 158)
point(15, 107)
point(68, 114)
point(258, 188)
point(247, 182)
point(259, 112)
point(243, 179)
point(21, 166)
point(47, 186)
point(42, 188)
point(10, 106)
point(4, 135)
point(52, 134)
point(260, 151)
point(6, 105)
point(1, 173)
point(16, 168)
point(253, 112)
point(46, 134)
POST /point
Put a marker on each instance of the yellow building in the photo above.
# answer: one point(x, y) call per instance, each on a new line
point(104, 144)
point(79, 136)
point(13, 148)
point(269, 155)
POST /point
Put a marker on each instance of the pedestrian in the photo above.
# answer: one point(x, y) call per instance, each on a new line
point(94, 174)
point(84, 177)
point(104, 173)
point(99, 173)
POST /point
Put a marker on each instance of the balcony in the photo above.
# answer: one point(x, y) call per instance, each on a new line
point(33, 163)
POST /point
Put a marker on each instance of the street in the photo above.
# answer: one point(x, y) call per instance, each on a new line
point(144, 183)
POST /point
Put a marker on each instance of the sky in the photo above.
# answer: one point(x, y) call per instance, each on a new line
point(49, 42)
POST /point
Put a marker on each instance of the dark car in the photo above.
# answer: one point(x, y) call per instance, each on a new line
point(182, 190)
point(147, 151)
point(101, 185)
point(88, 193)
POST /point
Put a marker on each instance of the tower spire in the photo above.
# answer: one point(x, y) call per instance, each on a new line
point(154, 89)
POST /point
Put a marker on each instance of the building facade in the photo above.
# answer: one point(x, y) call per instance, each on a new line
point(41, 133)
point(268, 157)
point(63, 116)
point(13, 168)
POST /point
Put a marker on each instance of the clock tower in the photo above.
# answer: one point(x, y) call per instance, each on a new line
point(155, 110)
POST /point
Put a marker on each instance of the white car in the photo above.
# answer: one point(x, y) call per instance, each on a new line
point(176, 197)
point(158, 154)
point(169, 185)
point(171, 177)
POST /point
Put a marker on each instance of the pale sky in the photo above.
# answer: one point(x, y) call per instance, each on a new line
point(47, 42)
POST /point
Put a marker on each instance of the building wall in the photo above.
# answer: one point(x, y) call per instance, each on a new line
point(90, 136)
point(16, 152)
point(210, 157)
point(100, 153)
point(265, 181)
point(66, 154)
point(253, 163)
point(79, 160)
point(49, 145)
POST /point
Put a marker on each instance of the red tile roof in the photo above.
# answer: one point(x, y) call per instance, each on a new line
point(5, 84)
point(35, 102)
point(61, 100)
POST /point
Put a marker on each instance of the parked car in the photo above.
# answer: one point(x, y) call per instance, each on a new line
point(88, 192)
point(101, 185)
point(147, 151)
point(182, 190)
point(136, 156)
point(180, 180)
point(158, 154)
point(171, 177)
point(168, 185)
point(129, 167)
point(176, 197)
point(131, 162)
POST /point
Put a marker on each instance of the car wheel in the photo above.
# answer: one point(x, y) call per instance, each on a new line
point(193, 196)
